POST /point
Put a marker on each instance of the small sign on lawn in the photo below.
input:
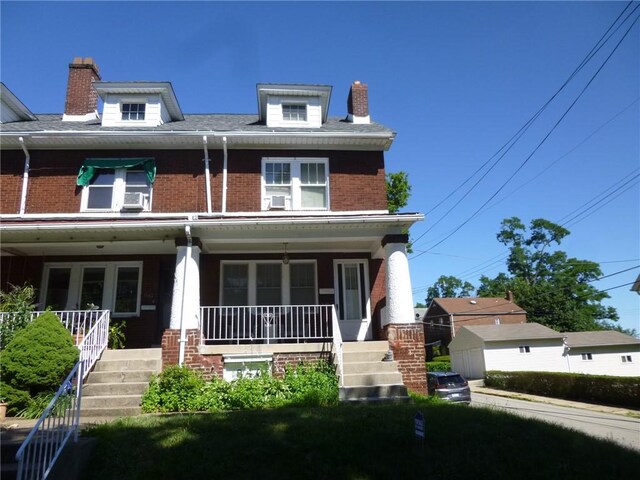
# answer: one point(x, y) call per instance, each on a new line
point(419, 425)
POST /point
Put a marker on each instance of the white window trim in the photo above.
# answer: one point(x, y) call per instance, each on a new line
point(122, 103)
point(75, 284)
point(117, 199)
point(587, 357)
point(295, 200)
point(252, 280)
point(296, 103)
point(627, 359)
point(524, 349)
point(360, 261)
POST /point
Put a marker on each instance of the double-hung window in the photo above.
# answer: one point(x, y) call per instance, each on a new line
point(295, 184)
point(116, 184)
point(268, 283)
point(111, 286)
point(133, 111)
point(294, 112)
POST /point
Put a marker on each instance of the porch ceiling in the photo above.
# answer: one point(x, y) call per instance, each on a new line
point(256, 235)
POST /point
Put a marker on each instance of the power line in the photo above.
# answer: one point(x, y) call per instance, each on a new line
point(593, 77)
point(615, 273)
point(599, 44)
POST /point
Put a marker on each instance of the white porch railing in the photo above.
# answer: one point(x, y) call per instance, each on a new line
point(42, 447)
point(60, 420)
point(266, 324)
point(337, 346)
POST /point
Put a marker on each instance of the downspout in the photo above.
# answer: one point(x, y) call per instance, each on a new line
point(183, 330)
point(224, 175)
point(206, 173)
point(25, 177)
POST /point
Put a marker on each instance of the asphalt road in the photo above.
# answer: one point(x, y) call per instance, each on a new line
point(620, 429)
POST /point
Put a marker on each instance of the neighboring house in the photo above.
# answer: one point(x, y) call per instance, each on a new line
point(446, 316)
point(511, 348)
point(213, 235)
point(534, 347)
point(603, 353)
point(636, 286)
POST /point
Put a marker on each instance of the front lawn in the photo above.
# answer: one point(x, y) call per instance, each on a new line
point(351, 442)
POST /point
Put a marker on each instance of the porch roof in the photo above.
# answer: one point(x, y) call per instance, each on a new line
point(218, 234)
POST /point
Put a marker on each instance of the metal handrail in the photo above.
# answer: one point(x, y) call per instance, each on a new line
point(48, 437)
point(42, 447)
point(337, 344)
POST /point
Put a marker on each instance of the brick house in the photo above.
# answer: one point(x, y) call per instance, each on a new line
point(214, 236)
point(446, 316)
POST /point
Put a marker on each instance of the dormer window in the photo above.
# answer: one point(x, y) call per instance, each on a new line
point(292, 112)
point(133, 111)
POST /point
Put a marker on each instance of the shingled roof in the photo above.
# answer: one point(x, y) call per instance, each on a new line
point(599, 338)
point(478, 305)
point(518, 331)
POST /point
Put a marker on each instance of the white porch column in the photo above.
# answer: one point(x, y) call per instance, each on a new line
point(399, 296)
point(185, 308)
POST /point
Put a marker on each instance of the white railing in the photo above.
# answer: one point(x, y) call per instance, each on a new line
point(60, 420)
point(42, 447)
point(266, 324)
point(337, 345)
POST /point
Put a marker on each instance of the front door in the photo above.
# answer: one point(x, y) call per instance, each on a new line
point(352, 299)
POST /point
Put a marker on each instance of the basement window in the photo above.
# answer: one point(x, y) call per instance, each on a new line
point(524, 349)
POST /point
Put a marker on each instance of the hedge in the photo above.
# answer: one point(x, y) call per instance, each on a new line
point(438, 366)
point(601, 389)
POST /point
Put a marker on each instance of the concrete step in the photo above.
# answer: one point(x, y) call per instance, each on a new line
point(127, 364)
point(114, 412)
point(133, 354)
point(374, 393)
point(119, 376)
point(356, 357)
point(370, 367)
point(109, 401)
point(377, 346)
point(119, 388)
point(372, 379)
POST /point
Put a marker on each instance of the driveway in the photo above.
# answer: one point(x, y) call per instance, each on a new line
point(624, 430)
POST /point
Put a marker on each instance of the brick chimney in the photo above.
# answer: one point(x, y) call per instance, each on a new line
point(81, 104)
point(358, 103)
point(509, 296)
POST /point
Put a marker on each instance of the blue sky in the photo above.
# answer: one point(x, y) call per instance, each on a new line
point(455, 80)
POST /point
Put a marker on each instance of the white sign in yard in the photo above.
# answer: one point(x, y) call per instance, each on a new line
point(419, 425)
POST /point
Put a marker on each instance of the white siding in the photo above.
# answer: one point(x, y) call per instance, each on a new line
point(155, 112)
point(274, 111)
point(606, 360)
point(543, 356)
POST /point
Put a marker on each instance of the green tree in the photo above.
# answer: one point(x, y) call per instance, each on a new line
point(448, 287)
point(398, 191)
point(553, 288)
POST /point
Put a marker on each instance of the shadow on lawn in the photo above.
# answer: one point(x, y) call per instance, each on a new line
point(351, 442)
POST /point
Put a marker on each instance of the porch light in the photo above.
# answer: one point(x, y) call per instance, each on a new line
point(285, 257)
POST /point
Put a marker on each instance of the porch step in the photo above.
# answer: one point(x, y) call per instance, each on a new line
point(115, 387)
point(10, 441)
point(367, 378)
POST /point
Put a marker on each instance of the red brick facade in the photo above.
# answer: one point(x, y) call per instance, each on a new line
point(407, 344)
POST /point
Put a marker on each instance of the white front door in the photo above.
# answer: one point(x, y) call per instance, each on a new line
point(352, 299)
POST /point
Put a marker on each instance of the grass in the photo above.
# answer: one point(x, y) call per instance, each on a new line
point(351, 442)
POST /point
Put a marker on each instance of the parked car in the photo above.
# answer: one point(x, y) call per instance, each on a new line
point(450, 386)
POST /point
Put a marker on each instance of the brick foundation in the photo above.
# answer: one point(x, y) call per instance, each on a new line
point(281, 360)
point(407, 344)
point(210, 365)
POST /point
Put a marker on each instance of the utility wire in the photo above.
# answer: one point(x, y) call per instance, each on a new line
point(615, 273)
point(593, 77)
point(599, 44)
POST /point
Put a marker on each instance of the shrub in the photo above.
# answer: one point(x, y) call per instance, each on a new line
point(39, 356)
point(176, 389)
point(116, 335)
point(314, 384)
point(619, 391)
point(16, 399)
point(20, 301)
point(438, 366)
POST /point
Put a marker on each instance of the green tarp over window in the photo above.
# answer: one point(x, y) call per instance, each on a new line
point(90, 166)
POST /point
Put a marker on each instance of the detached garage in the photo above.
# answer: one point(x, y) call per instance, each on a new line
point(519, 347)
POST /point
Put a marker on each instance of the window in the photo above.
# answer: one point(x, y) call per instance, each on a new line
point(587, 356)
point(268, 283)
point(133, 111)
point(114, 286)
point(626, 359)
point(524, 349)
point(295, 184)
point(108, 188)
point(294, 112)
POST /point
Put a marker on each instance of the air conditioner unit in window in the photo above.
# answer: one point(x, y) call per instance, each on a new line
point(278, 202)
point(133, 201)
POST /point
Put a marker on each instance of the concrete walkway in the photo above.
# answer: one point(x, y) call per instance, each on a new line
point(478, 386)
